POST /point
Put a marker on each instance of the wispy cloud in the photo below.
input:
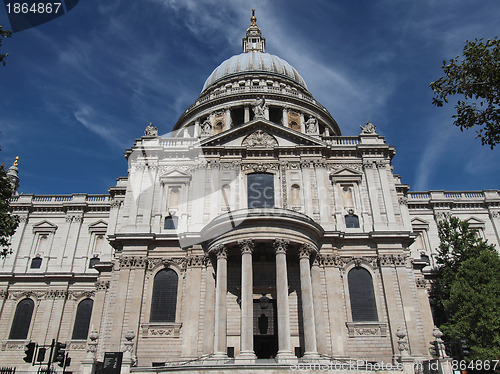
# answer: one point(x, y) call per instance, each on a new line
point(96, 124)
point(430, 154)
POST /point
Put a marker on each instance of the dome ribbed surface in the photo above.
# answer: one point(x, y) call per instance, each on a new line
point(254, 62)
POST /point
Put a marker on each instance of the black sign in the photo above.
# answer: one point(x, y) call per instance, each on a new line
point(112, 363)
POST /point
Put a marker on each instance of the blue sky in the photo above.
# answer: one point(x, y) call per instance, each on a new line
point(78, 90)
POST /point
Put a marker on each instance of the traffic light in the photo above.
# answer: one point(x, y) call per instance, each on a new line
point(29, 351)
point(463, 348)
point(434, 349)
point(59, 353)
point(40, 357)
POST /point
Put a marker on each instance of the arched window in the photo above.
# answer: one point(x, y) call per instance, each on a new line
point(36, 263)
point(82, 319)
point(260, 190)
point(22, 319)
point(164, 300)
point(363, 306)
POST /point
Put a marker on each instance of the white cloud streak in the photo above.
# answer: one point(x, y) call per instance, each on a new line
point(94, 123)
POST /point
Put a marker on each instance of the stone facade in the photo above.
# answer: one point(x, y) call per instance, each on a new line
point(263, 215)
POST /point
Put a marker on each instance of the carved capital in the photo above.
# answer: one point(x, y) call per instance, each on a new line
point(280, 245)
point(101, 285)
point(494, 214)
point(421, 283)
point(56, 294)
point(392, 260)
point(403, 200)
point(220, 251)
point(306, 250)
point(116, 203)
point(246, 245)
point(368, 164)
point(318, 260)
point(331, 260)
point(133, 262)
point(196, 261)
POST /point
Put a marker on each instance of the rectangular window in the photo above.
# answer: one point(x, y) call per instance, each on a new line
point(260, 190)
point(171, 222)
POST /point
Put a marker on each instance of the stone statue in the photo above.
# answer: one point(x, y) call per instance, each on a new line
point(259, 106)
point(368, 129)
point(206, 127)
point(151, 130)
point(311, 125)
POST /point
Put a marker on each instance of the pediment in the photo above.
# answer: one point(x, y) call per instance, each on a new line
point(475, 223)
point(98, 226)
point(175, 176)
point(44, 226)
point(419, 223)
point(260, 133)
point(346, 174)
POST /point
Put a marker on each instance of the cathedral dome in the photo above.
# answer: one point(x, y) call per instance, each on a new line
point(255, 61)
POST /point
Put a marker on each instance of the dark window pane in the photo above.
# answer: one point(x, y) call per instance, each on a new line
point(82, 320)
point(93, 261)
point(351, 222)
point(362, 296)
point(171, 222)
point(164, 300)
point(260, 190)
point(36, 263)
point(22, 319)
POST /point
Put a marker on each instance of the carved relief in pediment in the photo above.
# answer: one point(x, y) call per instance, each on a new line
point(260, 139)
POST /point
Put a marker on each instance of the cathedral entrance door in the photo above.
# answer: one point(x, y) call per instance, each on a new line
point(265, 328)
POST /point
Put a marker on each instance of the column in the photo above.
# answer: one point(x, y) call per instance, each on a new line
point(284, 344)
point(196, 128)
point(247, 115)
point(227, 119)
point(310, 349)
point(246, 346)
point(220, 341)
point(284, 120)
point(302, 123)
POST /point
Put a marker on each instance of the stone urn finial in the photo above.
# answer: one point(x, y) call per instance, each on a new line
point(402, 343)
point(437, 333)
point(129, 335)
point(92, 345)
